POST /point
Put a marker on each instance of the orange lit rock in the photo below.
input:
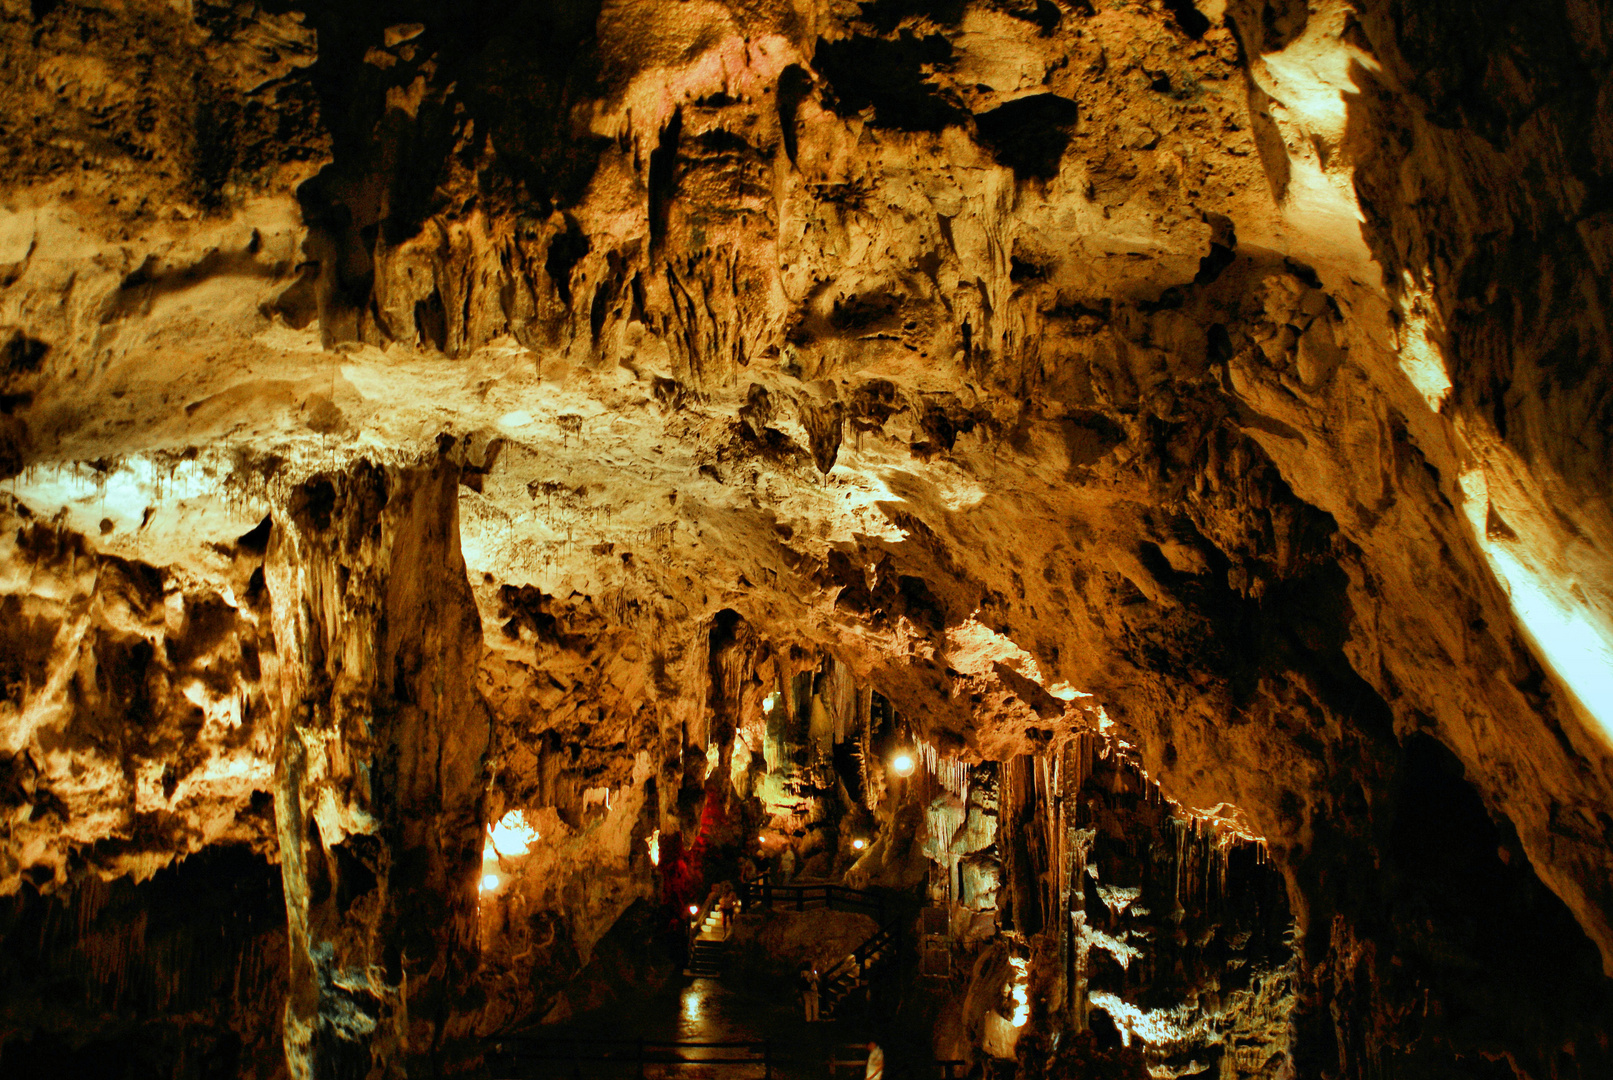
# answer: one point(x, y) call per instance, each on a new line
point(1231, 380)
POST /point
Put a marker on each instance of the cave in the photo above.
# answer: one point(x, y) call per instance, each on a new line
point(1070, 539)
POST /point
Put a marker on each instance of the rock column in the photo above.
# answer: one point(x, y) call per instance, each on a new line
point(383, 737)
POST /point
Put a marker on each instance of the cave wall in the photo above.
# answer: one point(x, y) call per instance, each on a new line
point(182, 974)
point(1144, 938)
point(1227, 379)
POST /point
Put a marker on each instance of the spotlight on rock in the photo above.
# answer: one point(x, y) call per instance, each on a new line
point(512, 836)
point(1019, 990)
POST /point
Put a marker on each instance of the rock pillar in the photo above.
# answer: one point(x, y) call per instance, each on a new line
point(383, 736)
point(1015, 824)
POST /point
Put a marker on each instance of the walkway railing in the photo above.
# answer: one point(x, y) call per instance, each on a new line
point(857, 1060)
point(880, 950)
point(698, 920)
point(800, 897)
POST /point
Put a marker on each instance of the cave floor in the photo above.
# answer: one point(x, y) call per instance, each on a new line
point(704, 1010)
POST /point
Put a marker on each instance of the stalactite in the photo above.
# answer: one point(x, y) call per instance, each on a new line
point(838, 691)
point(1019, 843)
point(1166, 873)
point(775, 741)
point(865, 746)
point(951, 773)
point(731, 668)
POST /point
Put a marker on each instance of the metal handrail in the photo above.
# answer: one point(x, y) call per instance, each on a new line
point(699, 920)
point(767, 893)
point(887, 941)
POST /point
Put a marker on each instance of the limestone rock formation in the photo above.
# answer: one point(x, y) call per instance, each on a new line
point(642, 417)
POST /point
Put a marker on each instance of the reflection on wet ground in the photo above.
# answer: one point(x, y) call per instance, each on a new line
point(704, 1010)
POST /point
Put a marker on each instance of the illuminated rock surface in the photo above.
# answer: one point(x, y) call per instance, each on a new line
point(644, 414)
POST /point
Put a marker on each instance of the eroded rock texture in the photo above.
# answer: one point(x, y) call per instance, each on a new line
point(641, 416)
point(1143, 934)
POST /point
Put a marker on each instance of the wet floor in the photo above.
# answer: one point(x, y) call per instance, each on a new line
point(701, 1010)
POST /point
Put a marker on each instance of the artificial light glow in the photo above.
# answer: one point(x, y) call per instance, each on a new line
point(694, 909)
point(1020, 991)
point(512, 835)
point(858, 844)
point(1155, 1027)
point(489, 882)
point(770, 702)
point(1563, 629)
point(1572, 637)
point(903, 764)
point(654, 843)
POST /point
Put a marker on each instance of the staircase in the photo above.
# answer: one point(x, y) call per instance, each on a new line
point(706, 959)
point(709, 948)
point(873, 958)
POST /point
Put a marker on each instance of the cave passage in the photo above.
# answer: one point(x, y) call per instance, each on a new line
point(1085, 525)
point(777, 1039)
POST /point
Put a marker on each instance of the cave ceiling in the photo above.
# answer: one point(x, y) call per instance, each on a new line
point(1233, 379)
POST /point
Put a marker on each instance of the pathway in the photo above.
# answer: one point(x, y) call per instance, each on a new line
point(704, 1010)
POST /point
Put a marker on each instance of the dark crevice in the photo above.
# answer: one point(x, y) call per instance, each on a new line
point(1029, 134)
point(888, 76)
point(663, 180)
point(566, 250)
point(1194, 23)
point(792, 87)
